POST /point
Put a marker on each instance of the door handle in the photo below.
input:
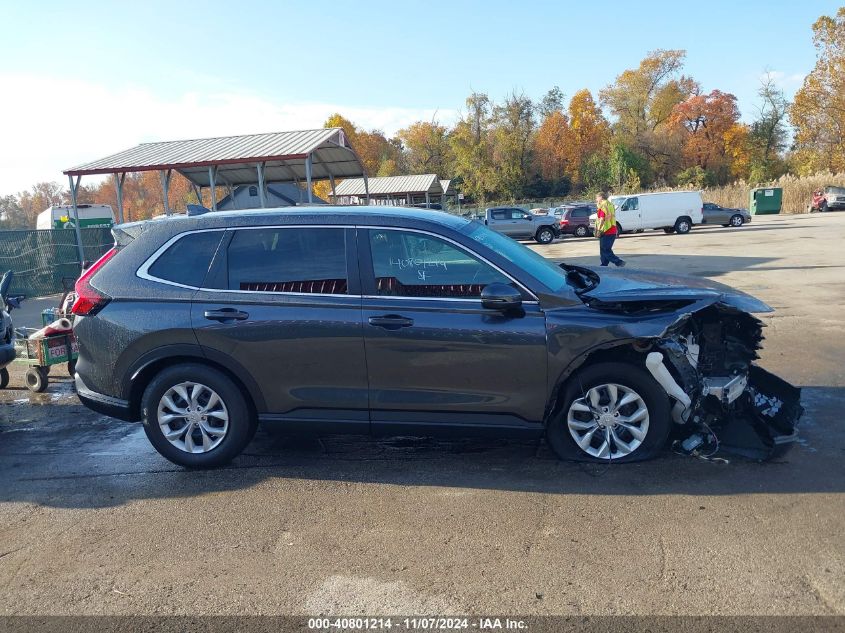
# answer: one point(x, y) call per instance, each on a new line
point(226, 314)
point(390, 321)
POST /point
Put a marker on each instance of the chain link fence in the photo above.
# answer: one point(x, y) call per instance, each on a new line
point(40, 259)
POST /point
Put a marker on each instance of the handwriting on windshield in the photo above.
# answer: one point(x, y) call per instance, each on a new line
point(417, 262)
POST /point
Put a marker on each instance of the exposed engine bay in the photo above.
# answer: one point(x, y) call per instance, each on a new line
point(706, 365)
point(704, 360)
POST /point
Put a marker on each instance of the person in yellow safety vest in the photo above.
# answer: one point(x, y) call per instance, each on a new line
point(606, 230)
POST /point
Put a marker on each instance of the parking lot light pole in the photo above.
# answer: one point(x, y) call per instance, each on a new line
point(74, 191)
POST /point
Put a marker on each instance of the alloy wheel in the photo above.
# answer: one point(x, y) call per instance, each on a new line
point(736, 220)
point(609, 421)
point(193, 417)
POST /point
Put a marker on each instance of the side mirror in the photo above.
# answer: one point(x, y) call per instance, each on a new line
point(500, 297)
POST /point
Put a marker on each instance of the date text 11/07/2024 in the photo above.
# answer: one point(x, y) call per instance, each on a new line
point(418, 623)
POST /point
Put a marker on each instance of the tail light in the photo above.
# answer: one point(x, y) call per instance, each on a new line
point(89, 300)
point(564, 222)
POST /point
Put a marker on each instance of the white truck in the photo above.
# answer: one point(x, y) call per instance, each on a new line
point(672, 211)
point(90, 216)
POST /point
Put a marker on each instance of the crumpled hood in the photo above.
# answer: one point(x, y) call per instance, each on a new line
point(622, 286)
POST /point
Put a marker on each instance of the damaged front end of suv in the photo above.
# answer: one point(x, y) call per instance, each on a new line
point(700, 344)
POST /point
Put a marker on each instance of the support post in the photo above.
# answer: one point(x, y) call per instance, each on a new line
point(308, 165)
point(367, 188)
point(74, 191)
point(427, 201)
point(262, 196)
point(165, 187)
point(334, 194)
point(118, 182)
point(212, 183)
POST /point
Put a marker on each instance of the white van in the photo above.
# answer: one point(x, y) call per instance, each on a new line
point(90, 216)
point(672, 211)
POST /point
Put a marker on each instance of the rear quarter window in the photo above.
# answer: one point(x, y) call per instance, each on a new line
point(187, 260)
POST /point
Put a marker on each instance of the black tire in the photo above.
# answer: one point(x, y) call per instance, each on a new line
point(632, 376)
point(36, 380)
point(242, 424)
point(544, 235)
point(736, 220)
point(668, 230)
point(581, 231)
point(71, 368)
point(619, 230)
point(4, 378)
point(683, 226)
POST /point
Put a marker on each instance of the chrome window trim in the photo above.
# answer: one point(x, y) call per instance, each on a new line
point(143, 271)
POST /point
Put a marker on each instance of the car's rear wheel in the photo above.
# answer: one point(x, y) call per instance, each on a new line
point(581, 231)
point(611, 412)
point(683, 226)
point(195, 416)
point(544, 235)
point(736, 220)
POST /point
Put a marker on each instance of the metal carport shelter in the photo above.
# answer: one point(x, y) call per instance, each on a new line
point(301, 156)
point(391, 189)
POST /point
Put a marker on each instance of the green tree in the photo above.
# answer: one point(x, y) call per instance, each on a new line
point(514, 126)
point(472, 149)
point(768, 133)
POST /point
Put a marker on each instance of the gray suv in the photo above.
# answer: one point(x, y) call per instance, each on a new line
point(401, 321)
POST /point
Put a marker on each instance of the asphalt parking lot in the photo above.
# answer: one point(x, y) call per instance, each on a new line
point(93, 521)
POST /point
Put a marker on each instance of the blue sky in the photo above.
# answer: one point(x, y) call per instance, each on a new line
point(91, 78)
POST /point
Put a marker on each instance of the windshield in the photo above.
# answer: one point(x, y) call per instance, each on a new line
point(542, 269)
point(617, 201)
point(837, 190)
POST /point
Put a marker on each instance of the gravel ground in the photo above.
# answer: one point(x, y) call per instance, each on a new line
point(93, 521)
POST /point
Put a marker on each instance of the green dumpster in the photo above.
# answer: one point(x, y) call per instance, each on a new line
point(765, 200)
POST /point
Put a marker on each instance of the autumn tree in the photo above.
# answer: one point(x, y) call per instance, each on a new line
point(703, 121)
point(552, 147)
point(642, 100)
point(818, 112)
point(589, 131)
point(426, 148)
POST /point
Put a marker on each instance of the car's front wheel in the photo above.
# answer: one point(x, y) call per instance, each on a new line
point(195, 416)
point(545, 235)
point(611, 412)
point(736, 220)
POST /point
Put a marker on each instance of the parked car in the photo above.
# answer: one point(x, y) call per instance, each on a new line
point(828, 199)
point(519, 224)
point(714, 214)
point(574, 219)
point(395, 321)
point(672, 211)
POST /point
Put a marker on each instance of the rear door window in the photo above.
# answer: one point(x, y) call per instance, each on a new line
point(308, 260)
point(187, 260)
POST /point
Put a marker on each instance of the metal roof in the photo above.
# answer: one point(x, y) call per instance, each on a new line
point(284, 155)
point(385, 185)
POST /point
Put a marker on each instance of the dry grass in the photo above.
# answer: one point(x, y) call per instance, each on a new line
point(797, 191)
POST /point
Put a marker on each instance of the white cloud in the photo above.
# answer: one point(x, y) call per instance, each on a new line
point(787, 82)
point(52, 124)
